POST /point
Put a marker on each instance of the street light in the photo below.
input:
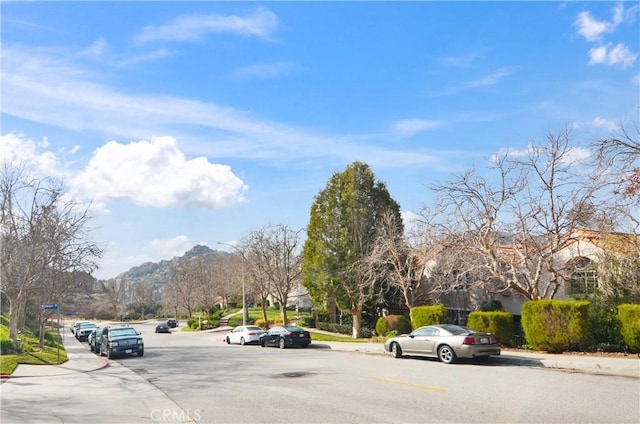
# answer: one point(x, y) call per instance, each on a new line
point(244, 300)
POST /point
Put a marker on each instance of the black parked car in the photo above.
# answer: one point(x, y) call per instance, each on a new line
point(172, 323)
point(286, 336)
point(162, 328)
point(120, 340)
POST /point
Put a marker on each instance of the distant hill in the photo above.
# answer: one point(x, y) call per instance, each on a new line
point(158, 273)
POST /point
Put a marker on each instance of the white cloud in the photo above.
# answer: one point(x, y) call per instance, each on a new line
point(158, 174)
point(636, 79)
point(20, 151)
point(590, 28)
point(40, 86)
point(192, 28)
point(603, 123)
point(616, 55)
point(410, 127)
point(574, 155)
point(169, 248)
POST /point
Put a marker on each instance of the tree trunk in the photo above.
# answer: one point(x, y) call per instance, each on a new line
point(356, 316)
point(42, 330)
point(263, 303)
point(283, 313)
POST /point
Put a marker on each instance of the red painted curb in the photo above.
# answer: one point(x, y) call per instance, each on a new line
point(3, 376)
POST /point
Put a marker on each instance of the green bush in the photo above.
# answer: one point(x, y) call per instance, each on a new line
point(392, 322)
point(629, 316)
point(555, 325)
point(308, 321)
point(603, 327)
point(7, 347)
point(392, 333)
point(499, 323)
point(428, 315)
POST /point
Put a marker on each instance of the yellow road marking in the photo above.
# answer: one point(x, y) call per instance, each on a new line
point(405, 383)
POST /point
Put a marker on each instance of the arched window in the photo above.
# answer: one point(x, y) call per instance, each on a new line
point(583, 276)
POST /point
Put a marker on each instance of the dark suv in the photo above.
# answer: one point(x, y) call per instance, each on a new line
point(120, 340)
point(172, 323)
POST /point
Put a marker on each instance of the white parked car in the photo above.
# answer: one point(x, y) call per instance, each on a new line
point(244, 334)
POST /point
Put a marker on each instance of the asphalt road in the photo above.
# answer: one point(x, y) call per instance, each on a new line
point(195, 377)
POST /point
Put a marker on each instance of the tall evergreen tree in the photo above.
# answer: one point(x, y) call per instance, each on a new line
point(345, 220)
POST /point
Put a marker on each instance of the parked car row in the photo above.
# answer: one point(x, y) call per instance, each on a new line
point(281, 336)
point(109, 341)
point(447, 342)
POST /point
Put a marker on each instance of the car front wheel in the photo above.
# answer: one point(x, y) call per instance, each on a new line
point(141, 352)
point(282, 343)
point(396, 350)
point(228, 341)
point(446, 354)
point(242, 341)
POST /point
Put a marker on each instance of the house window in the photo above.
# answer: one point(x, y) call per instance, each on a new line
point(584, 276)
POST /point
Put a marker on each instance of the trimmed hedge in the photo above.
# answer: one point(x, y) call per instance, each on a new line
point(389, 323)
point(629, 316)
point(555, 325)
point(428, 315)
point(499, 323)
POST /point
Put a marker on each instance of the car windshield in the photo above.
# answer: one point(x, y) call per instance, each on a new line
point(293, 329)
point(254, 328)
point(119, 332)
point(87, 325)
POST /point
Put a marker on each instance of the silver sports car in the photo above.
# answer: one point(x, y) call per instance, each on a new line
point(447, 342)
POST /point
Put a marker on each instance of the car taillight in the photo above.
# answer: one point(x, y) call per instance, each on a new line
point(495, 339)
point(251, 334)
point(468, 341)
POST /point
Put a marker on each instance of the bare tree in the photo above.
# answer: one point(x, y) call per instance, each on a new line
point(275, 256)
point(512, 224)
point(115, 291)
point(42, 230)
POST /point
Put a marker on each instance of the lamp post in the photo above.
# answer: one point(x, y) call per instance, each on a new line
point(244, 300)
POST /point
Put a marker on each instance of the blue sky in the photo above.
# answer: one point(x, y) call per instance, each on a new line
point(197, 122)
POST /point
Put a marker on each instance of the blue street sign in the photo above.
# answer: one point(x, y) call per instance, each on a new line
point(49, 306)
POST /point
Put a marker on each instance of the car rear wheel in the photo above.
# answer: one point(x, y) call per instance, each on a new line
point(396, 350)
point(242, 341)
point(228, 341)
point(282, 343)
point(261, 343)
point(446, 354)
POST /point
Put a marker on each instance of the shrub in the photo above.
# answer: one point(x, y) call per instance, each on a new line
point(307, 322)
point(343, 329)
point(7, 347)
point(428, 315)
point(389, 323)
point(603, 327)
point(629, 316)
point(392, 333)
point(263, 324)
point(555, 325)
point(499, 323)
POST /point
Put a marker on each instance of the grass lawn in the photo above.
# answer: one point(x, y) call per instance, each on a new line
point(322, 337)
point(46, 356)
point(31, 354)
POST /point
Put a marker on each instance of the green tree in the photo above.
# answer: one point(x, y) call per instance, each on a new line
point(345, 220)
